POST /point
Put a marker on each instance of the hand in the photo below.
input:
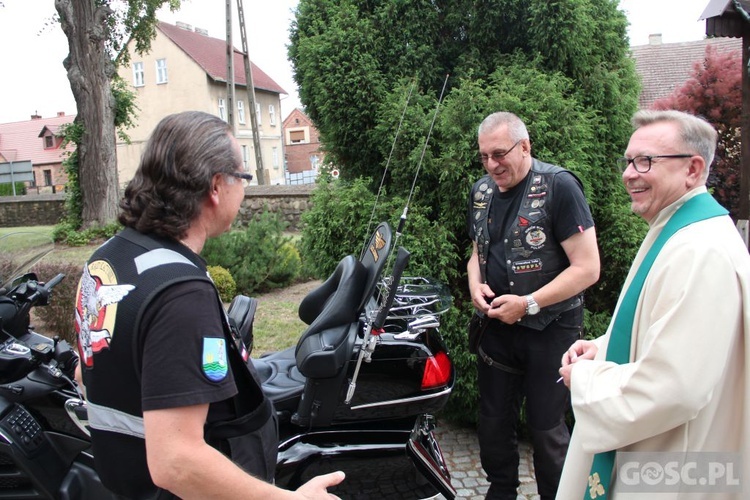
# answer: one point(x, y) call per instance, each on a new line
point(581, 349)
point(481, 296)
point(508, 308)
point(317, 486)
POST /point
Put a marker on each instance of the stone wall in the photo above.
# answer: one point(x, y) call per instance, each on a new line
point(46, 210)
point(31, 210)
point(290, 201)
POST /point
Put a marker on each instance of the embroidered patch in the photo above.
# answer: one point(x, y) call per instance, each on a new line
point(535, 237)
point(96, 308)
point(214, 358)
point(527, 266)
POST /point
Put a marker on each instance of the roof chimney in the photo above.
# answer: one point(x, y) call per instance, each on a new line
point(61, 113)
point(654, 39)
point(35, 116)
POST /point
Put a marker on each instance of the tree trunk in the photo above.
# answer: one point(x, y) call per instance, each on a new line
point(90, 70)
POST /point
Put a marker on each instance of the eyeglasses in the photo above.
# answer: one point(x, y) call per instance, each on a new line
point(497, 155)
point(246, 178)
point(642, 164)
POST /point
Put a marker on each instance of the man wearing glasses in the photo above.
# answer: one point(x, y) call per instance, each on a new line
point(534, 253)
point(668, 382)
point(174, 407)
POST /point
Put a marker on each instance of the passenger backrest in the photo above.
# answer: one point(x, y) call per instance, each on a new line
point(334, 307)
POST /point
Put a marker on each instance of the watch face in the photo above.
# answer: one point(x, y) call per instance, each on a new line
point(532, 307)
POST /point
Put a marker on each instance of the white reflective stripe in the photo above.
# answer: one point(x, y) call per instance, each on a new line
point(103, 418)
point(159, 257)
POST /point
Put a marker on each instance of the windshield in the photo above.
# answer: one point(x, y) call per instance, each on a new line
point(19, 251)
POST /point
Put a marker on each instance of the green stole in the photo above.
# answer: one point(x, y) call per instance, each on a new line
point(699, 207)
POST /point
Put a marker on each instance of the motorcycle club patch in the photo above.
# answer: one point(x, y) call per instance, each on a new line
point(97, 297)
point(214, 358)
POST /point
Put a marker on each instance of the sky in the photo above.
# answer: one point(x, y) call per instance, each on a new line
point(33, 80)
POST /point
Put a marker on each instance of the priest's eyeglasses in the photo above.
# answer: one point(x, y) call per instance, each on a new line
point(642, 164)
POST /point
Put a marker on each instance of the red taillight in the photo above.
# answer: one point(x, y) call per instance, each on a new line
point(437, 371)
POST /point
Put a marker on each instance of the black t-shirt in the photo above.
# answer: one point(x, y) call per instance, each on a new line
point(184, 337)
point(570, 215)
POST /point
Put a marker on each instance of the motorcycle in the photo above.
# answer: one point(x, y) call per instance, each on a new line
point(357, 393)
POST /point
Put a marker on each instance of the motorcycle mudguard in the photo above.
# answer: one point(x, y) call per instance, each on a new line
point(425, 452)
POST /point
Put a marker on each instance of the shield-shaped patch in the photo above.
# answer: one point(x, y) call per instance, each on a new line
point(214, 358)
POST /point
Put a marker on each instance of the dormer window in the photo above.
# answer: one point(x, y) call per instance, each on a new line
point(49, 142)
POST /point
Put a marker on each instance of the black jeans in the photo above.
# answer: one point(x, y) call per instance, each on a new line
point(534, 359)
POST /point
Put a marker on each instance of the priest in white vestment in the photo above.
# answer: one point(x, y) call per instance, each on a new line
point(684, 390)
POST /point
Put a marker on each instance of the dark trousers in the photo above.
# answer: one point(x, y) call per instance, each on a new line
point(531, 361)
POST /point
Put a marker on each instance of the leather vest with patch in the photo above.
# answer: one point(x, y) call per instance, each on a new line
point(533, 257)
point(142, 266)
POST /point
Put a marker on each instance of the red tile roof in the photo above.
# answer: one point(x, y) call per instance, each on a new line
point(24, 138)
point(666, 66)
point(210, 54)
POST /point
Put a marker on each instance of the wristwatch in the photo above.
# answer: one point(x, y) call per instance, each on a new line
point(532, 307)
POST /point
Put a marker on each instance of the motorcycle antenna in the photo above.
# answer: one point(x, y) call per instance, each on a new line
point(388, 162)
point(402, 220)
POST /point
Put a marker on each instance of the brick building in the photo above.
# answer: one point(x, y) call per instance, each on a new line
point(302, 152)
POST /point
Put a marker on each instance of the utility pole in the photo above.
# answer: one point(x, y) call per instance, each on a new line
point(251, 96)
point(230, 70)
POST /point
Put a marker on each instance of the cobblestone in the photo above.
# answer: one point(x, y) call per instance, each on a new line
point(461, 451)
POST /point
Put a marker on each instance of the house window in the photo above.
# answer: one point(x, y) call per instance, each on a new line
point(275, 152)
point(245, 157)
point(257, 112)
point(161, 71)
point(47, 177)
point(297, 136)
point(48, 142)
point(241, 111)
point(222, 109)
point(271, 114)
point(139, 79)
point(314, 161)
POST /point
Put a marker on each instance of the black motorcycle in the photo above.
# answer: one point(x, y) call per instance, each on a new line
point(356, 393)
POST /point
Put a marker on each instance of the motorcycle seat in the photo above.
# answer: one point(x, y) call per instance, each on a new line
point(323, 349)
point(281, 380)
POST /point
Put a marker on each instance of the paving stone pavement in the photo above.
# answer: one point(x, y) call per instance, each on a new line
point(461, 451)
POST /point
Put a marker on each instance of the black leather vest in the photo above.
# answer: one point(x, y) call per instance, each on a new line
point(132, 269)
point(533, 257)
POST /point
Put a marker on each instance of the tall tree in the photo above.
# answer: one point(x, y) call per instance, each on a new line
point(97, 32)
point(714, 91)
point(562, 65)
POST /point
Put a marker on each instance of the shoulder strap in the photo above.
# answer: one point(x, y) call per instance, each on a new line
point(697, 208)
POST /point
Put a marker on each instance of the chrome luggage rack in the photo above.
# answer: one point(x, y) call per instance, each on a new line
point(417, 297)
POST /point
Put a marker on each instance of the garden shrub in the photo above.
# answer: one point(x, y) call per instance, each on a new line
point(58, 317)
point(66, 232)
point(224, 282)
point(253, 254)
point(287, 266)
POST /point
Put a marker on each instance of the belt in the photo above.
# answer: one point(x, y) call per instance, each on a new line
point(494, 364)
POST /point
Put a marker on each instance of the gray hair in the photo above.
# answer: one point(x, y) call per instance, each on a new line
point(696, 134)
point(516, 127)
point(182, 155)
